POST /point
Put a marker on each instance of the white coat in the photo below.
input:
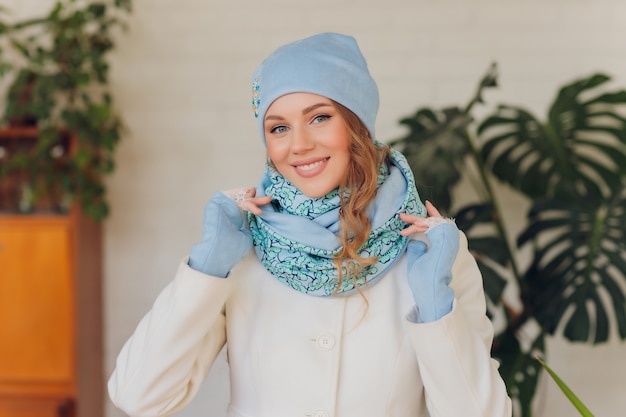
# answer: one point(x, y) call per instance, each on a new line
point(295, 355)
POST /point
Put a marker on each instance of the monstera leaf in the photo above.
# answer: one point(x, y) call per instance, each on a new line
point(519, 368)
point(578, 273)
point(438, 143)
point(435, 148)
point(572, 169)
point(487, 246)
point(578, 151)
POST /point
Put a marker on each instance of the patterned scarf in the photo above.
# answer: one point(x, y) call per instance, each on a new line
point(296, 236)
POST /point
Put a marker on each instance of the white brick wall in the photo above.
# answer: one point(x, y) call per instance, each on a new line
point(181, 80)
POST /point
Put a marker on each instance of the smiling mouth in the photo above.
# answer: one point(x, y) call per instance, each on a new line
point(311, 166)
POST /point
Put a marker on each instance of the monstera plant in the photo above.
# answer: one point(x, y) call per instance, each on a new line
point(569, 262)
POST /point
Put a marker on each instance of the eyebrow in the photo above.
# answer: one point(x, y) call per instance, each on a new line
point(304, 111)
point(314, 106)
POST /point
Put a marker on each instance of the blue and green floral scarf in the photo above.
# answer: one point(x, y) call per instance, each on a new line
point(296, 237)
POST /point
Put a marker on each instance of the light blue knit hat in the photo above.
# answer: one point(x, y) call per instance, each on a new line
point(327, 64)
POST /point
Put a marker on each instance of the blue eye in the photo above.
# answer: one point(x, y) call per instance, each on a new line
point(278, 129)
point(321, 118)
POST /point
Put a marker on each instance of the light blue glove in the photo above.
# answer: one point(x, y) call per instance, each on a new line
point(430, 271)
point(225, 238)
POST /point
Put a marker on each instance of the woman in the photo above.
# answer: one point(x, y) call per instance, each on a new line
point(353, 303)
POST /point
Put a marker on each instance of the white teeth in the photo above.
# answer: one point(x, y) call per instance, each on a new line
point(309, 167)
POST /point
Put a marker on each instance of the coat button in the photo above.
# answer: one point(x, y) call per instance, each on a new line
point(325, 342)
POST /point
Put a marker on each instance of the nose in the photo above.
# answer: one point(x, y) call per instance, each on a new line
point(301, 141)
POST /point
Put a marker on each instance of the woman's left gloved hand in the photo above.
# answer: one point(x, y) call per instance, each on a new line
point(430, 267)
point(225, 233)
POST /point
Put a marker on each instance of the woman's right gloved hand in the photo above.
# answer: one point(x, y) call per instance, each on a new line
point(430, 268)
point(430, 271)
point(226, 238)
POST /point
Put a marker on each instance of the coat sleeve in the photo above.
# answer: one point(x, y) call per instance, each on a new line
point(161, 366)
point(454, 353)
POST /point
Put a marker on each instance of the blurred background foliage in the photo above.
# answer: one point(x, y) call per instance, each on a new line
point(568, 264)
point(56, 68)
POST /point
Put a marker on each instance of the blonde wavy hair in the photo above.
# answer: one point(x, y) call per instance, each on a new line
point(357, 190)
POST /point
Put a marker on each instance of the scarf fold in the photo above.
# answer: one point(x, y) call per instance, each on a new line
point(295, 237)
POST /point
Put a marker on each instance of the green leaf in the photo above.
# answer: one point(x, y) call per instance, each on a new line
point(563, 155)
point(577, 251)
point(571, 166)
point(493, 281)
point(576, 402)
point(518, 368)
point(61, 85)
point(435, 148)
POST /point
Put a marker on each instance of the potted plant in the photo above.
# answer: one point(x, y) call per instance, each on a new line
point(59, 126)
point(571, 169)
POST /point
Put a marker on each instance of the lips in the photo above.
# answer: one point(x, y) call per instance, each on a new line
point(310, 168)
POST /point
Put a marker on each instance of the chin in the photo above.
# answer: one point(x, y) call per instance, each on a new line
point(316, 193)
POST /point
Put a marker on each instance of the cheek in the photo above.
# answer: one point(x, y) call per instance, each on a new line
point(274, 157)
point(343, 138)
point(343, 145)
point(346, 155)
point(345, 163)
point(278, 158)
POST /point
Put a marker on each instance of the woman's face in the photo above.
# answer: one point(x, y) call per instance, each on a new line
point(308, 142)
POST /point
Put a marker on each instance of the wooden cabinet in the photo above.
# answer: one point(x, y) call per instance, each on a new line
point(50, 315)
point(37, 407)
point(36, 298)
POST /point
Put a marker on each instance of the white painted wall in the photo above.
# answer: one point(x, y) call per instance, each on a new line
point(181, 81)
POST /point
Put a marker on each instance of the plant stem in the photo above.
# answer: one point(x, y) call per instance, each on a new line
point(497, 217)
point(482, 171)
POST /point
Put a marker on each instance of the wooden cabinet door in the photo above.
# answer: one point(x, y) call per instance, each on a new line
point(36, 303)
point(36, 407)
